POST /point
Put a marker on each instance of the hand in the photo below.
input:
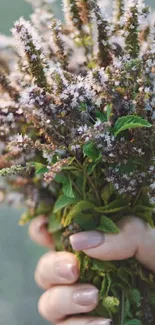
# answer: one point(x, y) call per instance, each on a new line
point(57, 273)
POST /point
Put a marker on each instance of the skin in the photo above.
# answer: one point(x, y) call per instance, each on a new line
point(57, 272)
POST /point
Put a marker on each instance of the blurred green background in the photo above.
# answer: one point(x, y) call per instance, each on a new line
point(18, 255)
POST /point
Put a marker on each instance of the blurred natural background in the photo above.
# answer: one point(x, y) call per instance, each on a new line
point(18, 255)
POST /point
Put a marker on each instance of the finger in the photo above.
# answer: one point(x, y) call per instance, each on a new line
point(61, 301)
point(38, 232)
point(57, 268)
point(111, 246)
point(86, 321)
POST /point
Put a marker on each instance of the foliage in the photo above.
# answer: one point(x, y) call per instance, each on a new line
point(77, 134)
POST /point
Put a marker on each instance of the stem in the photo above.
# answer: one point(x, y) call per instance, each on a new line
point(90, 182)
point(93, 187)
point(76, 187)
point(122, 308)
point(137, 197)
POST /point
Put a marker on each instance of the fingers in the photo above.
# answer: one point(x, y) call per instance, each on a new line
point(145, 253)
point(85, 321)
point(111, 246)
point(38, 232)
point(61, 301)
point(57, 268)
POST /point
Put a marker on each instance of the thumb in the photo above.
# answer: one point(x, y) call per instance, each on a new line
point(110, 246)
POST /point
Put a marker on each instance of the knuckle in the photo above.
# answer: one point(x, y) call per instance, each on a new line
point(48, 306)
point(40, 272)
point(42, 307)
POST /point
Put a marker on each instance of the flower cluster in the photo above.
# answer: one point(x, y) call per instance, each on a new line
point(77, 120)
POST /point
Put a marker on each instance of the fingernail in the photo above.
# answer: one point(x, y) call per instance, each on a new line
point(101, 322)
point(86, 297)
point(86, 239)
point(41, 223)
point(66, 270)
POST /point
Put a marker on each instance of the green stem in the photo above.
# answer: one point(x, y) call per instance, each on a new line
point(76, 187)
point(90, 182)
point(137, 197)
point(93, 187)
point(122, 308)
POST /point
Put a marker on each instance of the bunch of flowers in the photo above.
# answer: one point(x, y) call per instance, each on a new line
point(77, 134)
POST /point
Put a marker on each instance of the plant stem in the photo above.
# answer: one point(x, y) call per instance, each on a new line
point(93, 186)
point(76, 187)
point(122, 308)
point(90, 181)
point(137, 197)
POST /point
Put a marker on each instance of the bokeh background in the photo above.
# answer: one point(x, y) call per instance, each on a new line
point(18, 255)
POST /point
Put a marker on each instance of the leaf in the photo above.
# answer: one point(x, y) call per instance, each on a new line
point(63, 201)
point(61, 178)
point(110, 302)
point(76, 209)
point(42, 171)
point(85, 221)
point(145, 215)
point(108, 226)
point(67, 188)
point(129, 122)
point(67, 184)
point(40, 168)
point(133, 322)
point(90, 150)
point(103, 266)
point(108, 111)
point(134, 296)
point(152, 299)
point(105, 286)
point(106, 192)
point(125, 275)
point(54, 224)
point(91, 166)
point(102, 116)
point(114, 206)
point(25, 218)
point(127, 308)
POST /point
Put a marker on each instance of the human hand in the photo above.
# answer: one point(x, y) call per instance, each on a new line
point(57, 273)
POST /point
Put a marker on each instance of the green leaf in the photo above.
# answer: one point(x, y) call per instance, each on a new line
point(40, 168)
point(64, 201)
point(67, 188)
point(25, 218)
point(103, 266)
point(76, 209)
point(114, 206)
point(129, 122)
point(67, 184)
point(134, 296)
point(110, 302)
point(106, 283)
point(92, 165)
point(85, 221)
point(106, 192)
point(90, 150)
point(125, 275)
point(133, 322)
point(145, 213)
point(108, 226)
point(102, 116)
point(61, 178)
point(108, 110)
point(54, 224)
point(152, 299)
point(42, 171)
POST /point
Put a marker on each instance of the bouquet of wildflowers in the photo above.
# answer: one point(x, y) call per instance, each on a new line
point(77, 134)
